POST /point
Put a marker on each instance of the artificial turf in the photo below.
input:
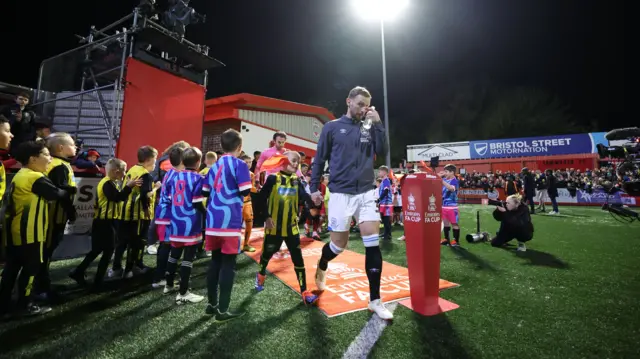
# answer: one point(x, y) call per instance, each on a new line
point(574, 294)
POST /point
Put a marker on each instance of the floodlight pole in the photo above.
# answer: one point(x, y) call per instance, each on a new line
point(384, 94)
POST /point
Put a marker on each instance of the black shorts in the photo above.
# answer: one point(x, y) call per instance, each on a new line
point(397, 209)
point(103, 234)
point(133, 231)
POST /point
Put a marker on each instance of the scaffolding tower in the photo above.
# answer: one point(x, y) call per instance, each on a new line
point(82, 90)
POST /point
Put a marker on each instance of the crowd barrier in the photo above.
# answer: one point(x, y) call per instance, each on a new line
point(597, 197)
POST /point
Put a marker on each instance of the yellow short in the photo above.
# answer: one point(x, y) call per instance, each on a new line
point(247, 211)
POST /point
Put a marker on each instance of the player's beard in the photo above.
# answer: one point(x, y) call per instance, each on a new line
point(355, 116)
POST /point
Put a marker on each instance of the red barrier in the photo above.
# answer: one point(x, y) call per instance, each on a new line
point(422, 199)
point(159, 109)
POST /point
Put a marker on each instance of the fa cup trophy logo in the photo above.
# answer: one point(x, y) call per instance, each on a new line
point(432, 203)
point(412, 202)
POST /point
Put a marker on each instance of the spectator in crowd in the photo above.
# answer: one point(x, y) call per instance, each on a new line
point(552, 191)
point(529, 188)
point(587, 179)
point(512, 187)
point(88, 160)
point(22, 121)
point(541, 186)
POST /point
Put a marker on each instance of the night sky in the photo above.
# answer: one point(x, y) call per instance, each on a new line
point(315, 51)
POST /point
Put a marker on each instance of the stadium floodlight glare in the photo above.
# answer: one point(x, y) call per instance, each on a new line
point(379, 9)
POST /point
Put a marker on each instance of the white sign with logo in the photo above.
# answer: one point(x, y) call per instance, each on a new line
point(446, 151)
point(84, 202)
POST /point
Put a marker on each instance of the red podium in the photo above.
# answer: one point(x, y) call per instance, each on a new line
point(422, 206)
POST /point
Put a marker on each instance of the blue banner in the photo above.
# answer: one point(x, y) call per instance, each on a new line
point(599, 196)
point(537, 146)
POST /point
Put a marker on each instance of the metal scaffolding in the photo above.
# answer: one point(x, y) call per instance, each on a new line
point(100, 61)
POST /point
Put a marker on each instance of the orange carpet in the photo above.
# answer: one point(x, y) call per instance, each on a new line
point(347, 285)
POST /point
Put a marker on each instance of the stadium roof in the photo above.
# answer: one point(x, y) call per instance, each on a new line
point(255, 102)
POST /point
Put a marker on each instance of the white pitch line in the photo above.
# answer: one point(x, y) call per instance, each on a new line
point(361, 346)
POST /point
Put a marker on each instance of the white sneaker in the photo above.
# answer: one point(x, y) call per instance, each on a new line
point(158, 285)
point(153, 250)
point(401, 238)
point(114, 273)
point(521, 247)
point(377, 307)
point(128, 275)
point(553, 212)
point(208, 253)
point(321, 278)
point(188, 297)
point(168, 289)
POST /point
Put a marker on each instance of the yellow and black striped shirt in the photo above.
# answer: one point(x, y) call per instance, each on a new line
point(138, 204)
point(282, 192)
point(61, 175)
point(3, 192)
point(109, 200)
point(3, 181)
point(204, 172)
point(28, 208)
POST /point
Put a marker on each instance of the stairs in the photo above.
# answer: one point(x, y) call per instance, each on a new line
point(89, 123)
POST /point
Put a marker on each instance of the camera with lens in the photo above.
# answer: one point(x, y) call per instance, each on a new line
point(494, 202)
point(629, 149)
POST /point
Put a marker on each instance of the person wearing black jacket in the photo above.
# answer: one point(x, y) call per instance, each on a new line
point(511, 187)
point(515, 222)
point(541, 186)
point(552, 190)
point(21, 119)
point(529, 188)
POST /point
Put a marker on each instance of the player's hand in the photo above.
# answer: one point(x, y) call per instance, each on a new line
point(157, 185)
point(501, 209)
point(441, 174)
point(134, 183)
point(317, 198)
point(268, 223)
point(373, 115)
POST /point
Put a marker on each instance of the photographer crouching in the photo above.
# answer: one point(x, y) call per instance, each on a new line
point(515, 222)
